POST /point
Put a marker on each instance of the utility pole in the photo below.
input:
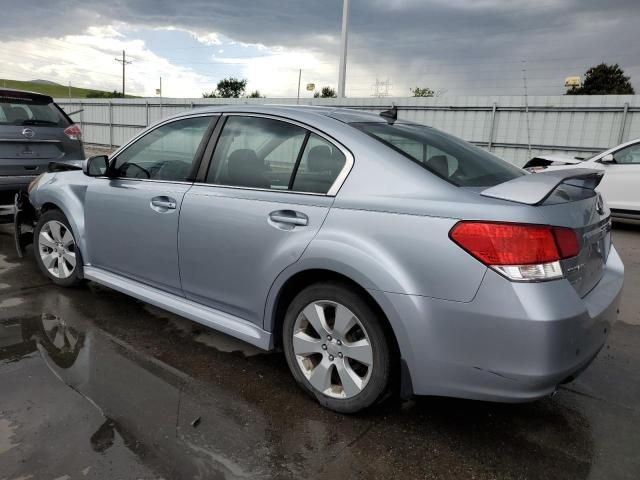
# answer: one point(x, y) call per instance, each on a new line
point(299, 79)
point(124, 63)
point(526, 105)
point(343, 54)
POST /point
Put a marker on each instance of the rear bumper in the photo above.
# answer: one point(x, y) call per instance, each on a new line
point(10, 185)
point(15, 182)
point(514, 342)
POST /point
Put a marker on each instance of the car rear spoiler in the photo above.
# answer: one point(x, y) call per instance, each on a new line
point(534, 188)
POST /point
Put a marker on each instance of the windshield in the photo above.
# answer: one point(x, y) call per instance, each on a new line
point(24, 111)
point(449, 157)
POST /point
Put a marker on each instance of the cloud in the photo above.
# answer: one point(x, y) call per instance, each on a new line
point(463, 46)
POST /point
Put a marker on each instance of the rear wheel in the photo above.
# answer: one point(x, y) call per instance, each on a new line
point(336, 347)
point(56, 251)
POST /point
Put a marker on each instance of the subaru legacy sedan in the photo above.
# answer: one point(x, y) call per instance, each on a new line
point(34, 131)
point(383, 257)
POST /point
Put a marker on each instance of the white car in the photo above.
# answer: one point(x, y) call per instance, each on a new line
point(620, 186)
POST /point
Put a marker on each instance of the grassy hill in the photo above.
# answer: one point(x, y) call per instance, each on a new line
point(49, 88)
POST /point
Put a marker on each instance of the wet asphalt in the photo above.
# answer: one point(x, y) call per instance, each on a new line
point(94, 384)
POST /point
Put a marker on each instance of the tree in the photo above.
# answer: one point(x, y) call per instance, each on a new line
point(604, 79)
point(228, 88)
point(326, 92)
point(422, 92)
point(99, 94)
point(256, 94)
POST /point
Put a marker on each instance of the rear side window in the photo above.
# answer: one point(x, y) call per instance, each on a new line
point(256, 152)
point(24, 111)
point(265, 153)
point(449, 157)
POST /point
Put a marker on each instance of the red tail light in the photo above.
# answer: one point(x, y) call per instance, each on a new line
point(73, 132)
point(534, 250)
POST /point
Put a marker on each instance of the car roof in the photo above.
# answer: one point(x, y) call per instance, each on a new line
point(297, 112)
point(22, 94)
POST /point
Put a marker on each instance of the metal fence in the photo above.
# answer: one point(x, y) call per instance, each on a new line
point(564, 125)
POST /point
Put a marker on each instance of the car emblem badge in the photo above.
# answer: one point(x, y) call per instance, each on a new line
point(600, 204)
point(28, 133)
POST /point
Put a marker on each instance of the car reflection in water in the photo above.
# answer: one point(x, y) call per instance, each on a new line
point(202, 413)
point(155, 409)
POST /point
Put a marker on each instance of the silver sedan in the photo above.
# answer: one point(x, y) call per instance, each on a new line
point(382, 256)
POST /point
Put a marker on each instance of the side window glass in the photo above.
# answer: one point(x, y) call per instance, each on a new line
point(629, 155)
point(320, 165)
point(256, 152)
point(166, 153)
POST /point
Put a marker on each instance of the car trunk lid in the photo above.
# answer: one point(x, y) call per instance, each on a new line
point(567, 198)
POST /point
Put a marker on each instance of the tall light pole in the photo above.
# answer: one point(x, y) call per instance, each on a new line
point(343, 55)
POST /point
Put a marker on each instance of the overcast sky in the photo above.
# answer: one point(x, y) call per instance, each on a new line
point(458, 47)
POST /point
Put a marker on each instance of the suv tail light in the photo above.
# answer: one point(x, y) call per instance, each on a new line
point(518, 251)
point(73, 132)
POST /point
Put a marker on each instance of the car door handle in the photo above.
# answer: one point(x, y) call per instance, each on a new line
point(160, 204)
point(289, 217)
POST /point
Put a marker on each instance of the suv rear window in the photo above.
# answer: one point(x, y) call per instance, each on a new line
point(26, 111)
point(449, 157)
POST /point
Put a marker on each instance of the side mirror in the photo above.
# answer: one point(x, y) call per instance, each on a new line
point(608, 158)
point(96, 166)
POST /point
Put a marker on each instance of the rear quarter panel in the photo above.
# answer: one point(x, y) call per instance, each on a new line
point(397, 253)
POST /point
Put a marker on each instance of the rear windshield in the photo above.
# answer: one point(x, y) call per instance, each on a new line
point(25, 111)
point(449, 157)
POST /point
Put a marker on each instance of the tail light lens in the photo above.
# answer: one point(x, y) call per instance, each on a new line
point(73, 132)
point(518, 251)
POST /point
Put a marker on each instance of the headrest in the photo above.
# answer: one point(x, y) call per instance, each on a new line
point(321, 160)
point(17, 114)
point(246, 169)
point(439, 164)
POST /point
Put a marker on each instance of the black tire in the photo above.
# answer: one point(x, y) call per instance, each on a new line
point(77, 274)
point(378, 380)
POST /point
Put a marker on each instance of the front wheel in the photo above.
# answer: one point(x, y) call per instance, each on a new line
point(336, 347)
point(56, 250)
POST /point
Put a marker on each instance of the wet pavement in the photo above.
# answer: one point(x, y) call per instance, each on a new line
point(94, 384)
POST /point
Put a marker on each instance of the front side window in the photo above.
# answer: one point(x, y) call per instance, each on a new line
point(166, 153)
point(628, 156)
point(256, 152)
point(451, 158)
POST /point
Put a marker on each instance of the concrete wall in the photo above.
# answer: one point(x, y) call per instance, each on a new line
point(562, 125)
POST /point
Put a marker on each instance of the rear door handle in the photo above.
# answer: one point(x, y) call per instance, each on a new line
point(289, 217)
point(162, 204)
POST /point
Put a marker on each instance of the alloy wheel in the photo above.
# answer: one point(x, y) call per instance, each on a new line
point(57, 249)
point(332, 349)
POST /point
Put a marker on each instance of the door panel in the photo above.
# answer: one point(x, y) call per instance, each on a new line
point(233, 243)
point(620, 183)
point(132, 220)
point(132, 229)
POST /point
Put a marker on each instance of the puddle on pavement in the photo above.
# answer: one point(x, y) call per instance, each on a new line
point(7, 433)
point(253, 422)
point(204, 335)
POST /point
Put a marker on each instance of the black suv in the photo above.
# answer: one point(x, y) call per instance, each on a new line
point(33, 132)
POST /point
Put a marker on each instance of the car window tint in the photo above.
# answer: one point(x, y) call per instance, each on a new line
point(449, 157)
point(629, 155)
point(320, 165)
point(166, 153)
point(256, 152)
point(26, 112)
